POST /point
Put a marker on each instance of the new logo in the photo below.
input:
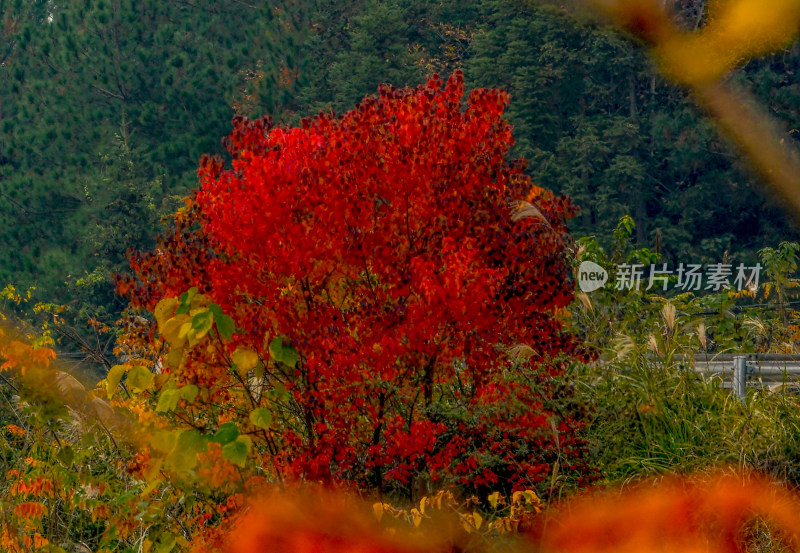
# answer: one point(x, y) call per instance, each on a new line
point(591, 276)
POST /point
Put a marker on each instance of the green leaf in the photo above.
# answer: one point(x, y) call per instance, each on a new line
point(202, 323)
point(113, 378)
point(164, 440)
point(186, 300)
point(236, 452)
point(139, 379)
point(184, 456)
point(66, 456)
point(216, 310)
point(174, 358)
point(225, 326)
point(189, 392)
point(168, 400)
point(282, 352)
point(154, 483)
point(226, 433)
point(51, 548)
point(261, 417)
point(259, 371)
point(280, 393)
point(166, 542)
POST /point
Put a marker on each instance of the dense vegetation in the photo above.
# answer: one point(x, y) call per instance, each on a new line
point(379, 305)
point(108, 106)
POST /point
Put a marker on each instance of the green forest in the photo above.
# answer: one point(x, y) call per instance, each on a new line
point(383, 276)
point(107, 108)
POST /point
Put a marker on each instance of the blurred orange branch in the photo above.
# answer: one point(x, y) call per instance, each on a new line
point(735, 31)
point(37, 376)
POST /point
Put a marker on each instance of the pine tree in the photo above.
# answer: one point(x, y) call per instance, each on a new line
point(597, 123)
point(96, 84)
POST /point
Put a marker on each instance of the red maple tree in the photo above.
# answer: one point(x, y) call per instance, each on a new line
point(380, 245)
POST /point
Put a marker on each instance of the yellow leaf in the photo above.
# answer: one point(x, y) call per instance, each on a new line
point(153, 471)
point(531, 497)
point(184, 329)
point(164, 311)
point(199, 301)
point(477, 520)
point(494, 497)
point(139, 379)
point(422, 503)
point(163, 440)
point(113, 378)
point(417, 517)
point(261, 418)
point(377, 509)
point(174, 358)
point(172, 329)
point(151, 487)
point(244, 359)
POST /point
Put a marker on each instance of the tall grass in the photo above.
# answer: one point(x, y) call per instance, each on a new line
point(652, 414)
point(651, 419)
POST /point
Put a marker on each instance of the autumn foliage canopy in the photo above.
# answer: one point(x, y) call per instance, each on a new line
point(399, 279)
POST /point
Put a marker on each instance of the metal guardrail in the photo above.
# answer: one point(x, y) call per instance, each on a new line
point(735, 370)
